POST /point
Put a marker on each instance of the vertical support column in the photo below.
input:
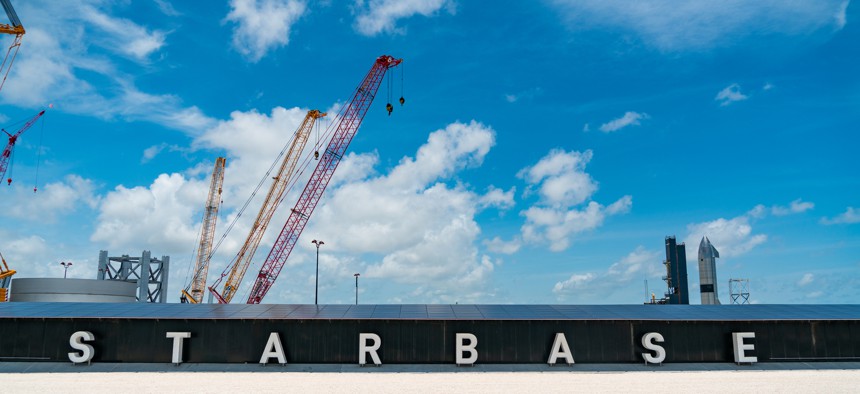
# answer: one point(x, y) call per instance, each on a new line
point(125, 267)
point(165, 274)
point(143, 279)
point(103, 264)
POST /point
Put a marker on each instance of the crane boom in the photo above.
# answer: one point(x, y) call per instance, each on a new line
point(7, 152)
point(5, 279)
point(267, 210)
point(347, 126)
point(207, 233)
point(16, 27)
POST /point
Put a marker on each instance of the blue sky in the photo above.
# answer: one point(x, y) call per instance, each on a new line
point(544, 152)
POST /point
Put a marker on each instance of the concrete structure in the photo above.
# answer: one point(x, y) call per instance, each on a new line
point(676, 272)
point(708, 255)
point(147, 273)
point(71, 290)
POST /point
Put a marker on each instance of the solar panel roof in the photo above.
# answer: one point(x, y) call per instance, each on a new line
point(429, 312)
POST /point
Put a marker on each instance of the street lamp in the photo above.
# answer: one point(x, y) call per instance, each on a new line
point(317, 279)
point(65, 268)
point(356, 287)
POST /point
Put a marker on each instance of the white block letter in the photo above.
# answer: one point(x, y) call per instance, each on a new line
point(76, 342)
point(177, 345)
point(648, 343)
point(740, 347)
point(273, 349)
point(560, 349)
point(462, 348)
point(364, 348)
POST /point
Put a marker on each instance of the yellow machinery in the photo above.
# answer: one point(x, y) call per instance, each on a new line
point(276, 192)
point(207, 233)
point(16, 29)
point(5, 278)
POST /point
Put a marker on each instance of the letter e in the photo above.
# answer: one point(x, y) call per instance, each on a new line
point(740, 347)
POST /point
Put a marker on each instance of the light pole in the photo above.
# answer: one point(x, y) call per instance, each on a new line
point(317, 279)
point(356, 287)
point(65, 268)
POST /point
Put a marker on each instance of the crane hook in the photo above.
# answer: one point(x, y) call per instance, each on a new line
point(316, 155)
point(389, 108)
point(402, 101)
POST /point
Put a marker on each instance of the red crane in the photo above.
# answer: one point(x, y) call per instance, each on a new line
point(347, 126)
point(7, 153)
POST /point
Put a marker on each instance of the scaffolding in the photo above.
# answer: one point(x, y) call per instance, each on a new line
point(149, 273)
point(740, 291)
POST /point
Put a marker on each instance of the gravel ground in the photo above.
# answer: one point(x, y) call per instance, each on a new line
point(752, 381)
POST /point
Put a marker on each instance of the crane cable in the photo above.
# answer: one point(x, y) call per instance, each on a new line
point(17, 45)
point(39, 154)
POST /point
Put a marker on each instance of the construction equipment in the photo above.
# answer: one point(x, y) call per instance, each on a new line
point(5, 279)
point(7, 152)
point(346, 127)
point(18, 30)
point(207, 233)
point(284, 176)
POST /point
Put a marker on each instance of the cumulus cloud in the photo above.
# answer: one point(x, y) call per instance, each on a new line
point(263, 25)
point(377, 16)
point(698, 25)
point(52, 201)
point(628, 119)
point(497, 245)
point(409, 224)
point(850, 216)
point(730, 94)
point(732, 237)
point(562, 184)
point(599, 287)
point(796, 206)
point(806, 279)
point(58, 68)
point(495, 197)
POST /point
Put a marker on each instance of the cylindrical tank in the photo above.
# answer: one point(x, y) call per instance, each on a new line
point(71, 290)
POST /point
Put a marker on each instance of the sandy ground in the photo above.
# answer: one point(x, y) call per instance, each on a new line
point(804, 381)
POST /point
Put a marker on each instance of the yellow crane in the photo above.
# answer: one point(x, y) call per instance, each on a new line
point(207, 233)
point(5, 278)
point(16, 29)
point(276, 192)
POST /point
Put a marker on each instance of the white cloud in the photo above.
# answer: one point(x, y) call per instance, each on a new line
point(628, 119)
point(767, 86)
point(806, 279)
point(796, 206)
point(167, 8)
point(157, 217)
point(56, 67)
point(51, 201)
point(619, 277)
point(498, 198)
point(850, 216)
point(732, 237)
point(730, 94)
point(511, 98)
point(586, 128)
point(379, 16)
point(562, 184)
point(408, 224)
point(263, 25)
point(497, 245)
point(697, 25)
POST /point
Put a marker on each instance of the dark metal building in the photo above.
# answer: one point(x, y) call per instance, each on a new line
point(676, 272)
point(427, 334)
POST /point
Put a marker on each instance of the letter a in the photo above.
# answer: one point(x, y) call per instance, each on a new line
point(560, 349)
point(273, 349)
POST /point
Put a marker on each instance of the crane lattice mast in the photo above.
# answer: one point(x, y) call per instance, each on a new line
point(207, 233)
point(14, 28)
point(284, 176)
point(347, 126)
point(7, 152)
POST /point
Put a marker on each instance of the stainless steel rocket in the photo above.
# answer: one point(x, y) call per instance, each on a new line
point(708, 255)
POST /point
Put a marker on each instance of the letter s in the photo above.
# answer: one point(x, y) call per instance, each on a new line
point(87, 351)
